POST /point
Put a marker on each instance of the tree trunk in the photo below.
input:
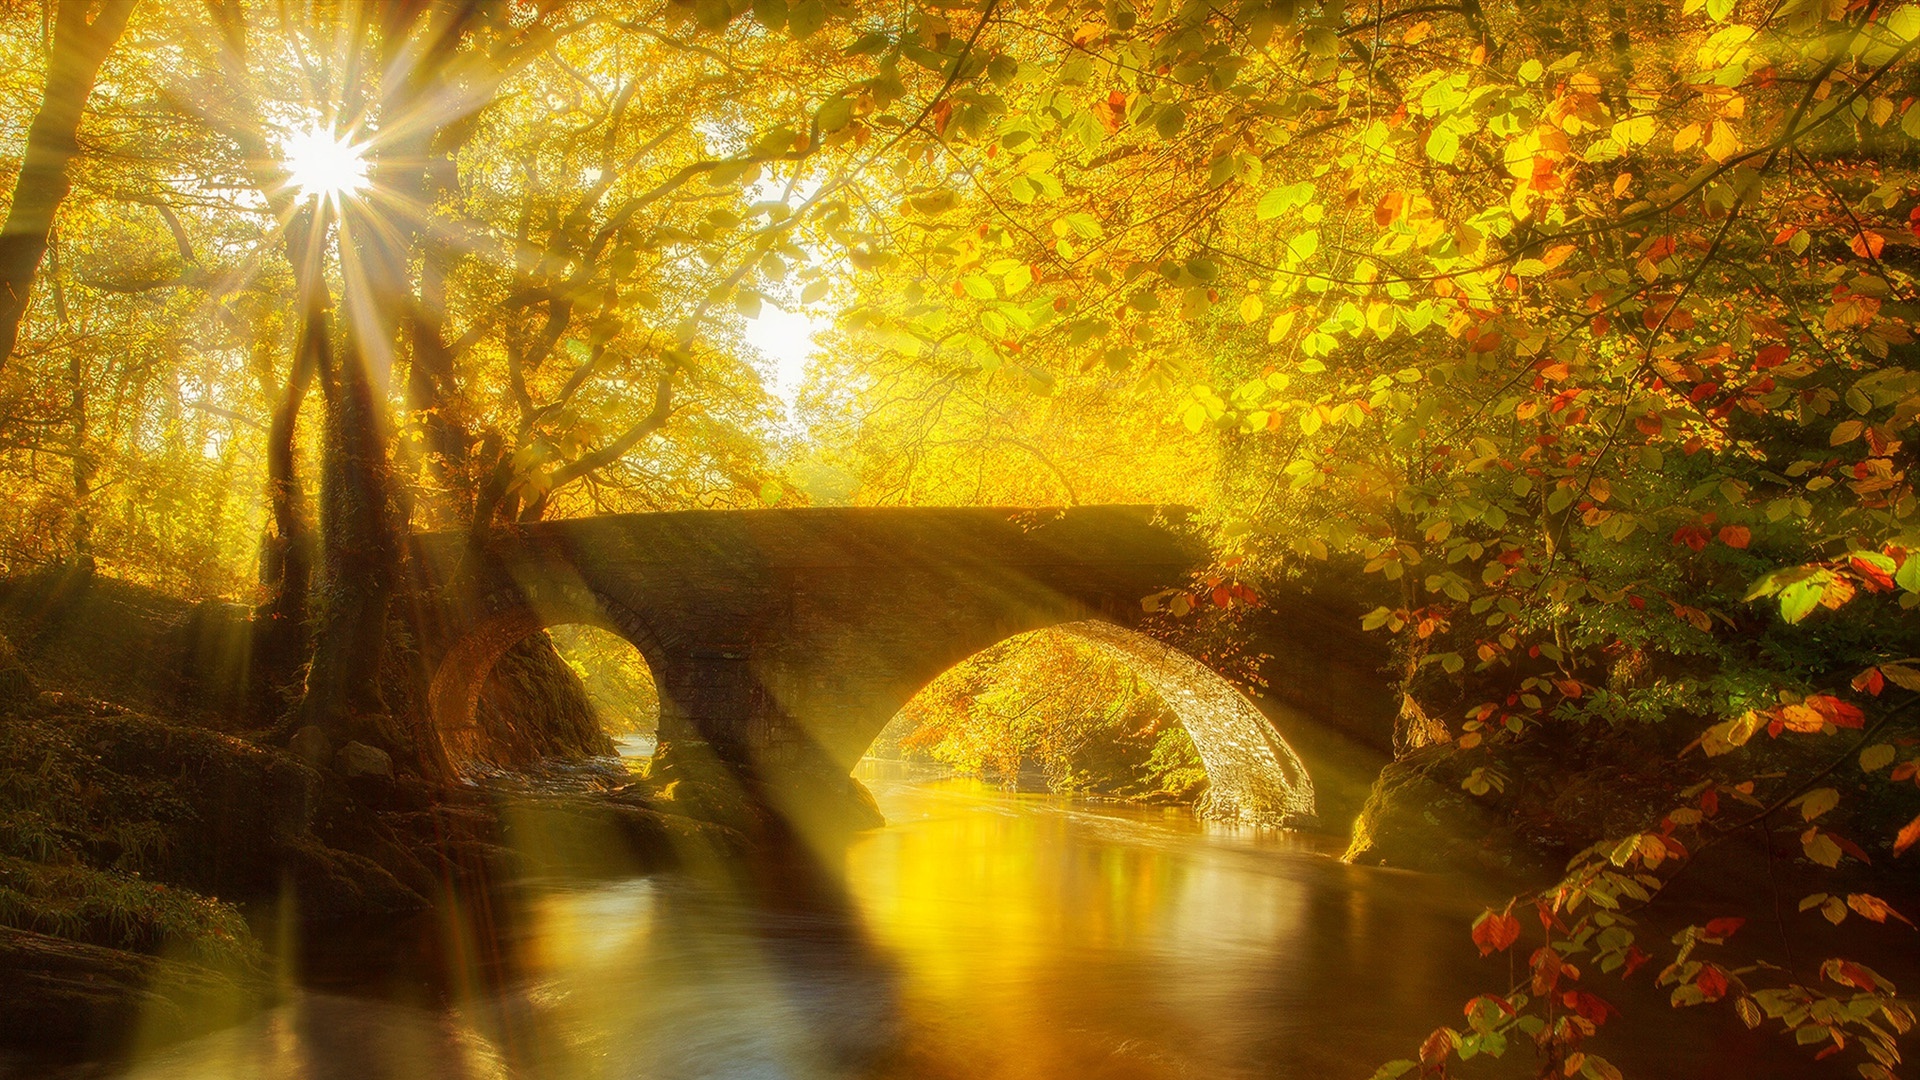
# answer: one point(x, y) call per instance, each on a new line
point(358, 558)
point(287, 561)
point(360, 524)
point(78, 48)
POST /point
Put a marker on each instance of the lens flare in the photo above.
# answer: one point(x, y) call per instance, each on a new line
point(323, 165)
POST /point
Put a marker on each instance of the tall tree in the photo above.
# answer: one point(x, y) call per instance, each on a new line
point(83, 34)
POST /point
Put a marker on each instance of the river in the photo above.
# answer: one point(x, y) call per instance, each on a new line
point(981, 934)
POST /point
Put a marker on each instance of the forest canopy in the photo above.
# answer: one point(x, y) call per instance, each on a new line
point(1583, 331)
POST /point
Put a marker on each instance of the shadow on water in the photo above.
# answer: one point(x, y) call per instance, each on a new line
point(981, 934)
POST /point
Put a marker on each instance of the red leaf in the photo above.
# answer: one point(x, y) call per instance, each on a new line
point(1712, 983)
point(1724, 928)
point(1850, 974)
point(1495, 932)
point(1548, 920)
point(1877, 578)
point(1547, 969)
point(1693, 536)
point(1771, 356)
point(1589, 1006)
point(1838, 713)
point(1850, 847)
point(1636, 958)
point(1735, 536)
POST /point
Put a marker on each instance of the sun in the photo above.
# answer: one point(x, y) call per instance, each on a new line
point(323, 165)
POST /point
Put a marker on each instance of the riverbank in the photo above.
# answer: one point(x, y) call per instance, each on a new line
point(146, 834)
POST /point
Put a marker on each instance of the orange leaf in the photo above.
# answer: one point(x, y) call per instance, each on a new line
point(1868, 244)
point(1735, 536)
point(1870, 681)
point(1909, 835)
point(1872, 907)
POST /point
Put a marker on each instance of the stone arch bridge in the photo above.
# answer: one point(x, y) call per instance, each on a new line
point(785, 640)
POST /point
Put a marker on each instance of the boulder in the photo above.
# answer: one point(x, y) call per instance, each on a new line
point(359, 759)
point(311, 745)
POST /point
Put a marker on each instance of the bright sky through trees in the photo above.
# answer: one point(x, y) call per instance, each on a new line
point(788, 338)
point(324, 164)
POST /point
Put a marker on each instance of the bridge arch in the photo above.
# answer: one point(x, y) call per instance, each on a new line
point(505, 621)
point(1253, 775)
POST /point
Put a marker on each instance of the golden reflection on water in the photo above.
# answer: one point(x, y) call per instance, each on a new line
point(980, 934)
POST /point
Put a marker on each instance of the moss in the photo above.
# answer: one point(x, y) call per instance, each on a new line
point(119, 911)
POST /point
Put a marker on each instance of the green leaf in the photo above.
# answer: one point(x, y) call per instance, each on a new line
point(771, 14)
point(1876, 757)
point(1170, 120)
point(1443, 144)
point(1799, 599)
point(1910, 121)
point(835, 113)
point(1908, 576)
point(806, 17)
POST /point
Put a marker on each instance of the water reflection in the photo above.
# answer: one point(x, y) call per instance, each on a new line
point(981, 934)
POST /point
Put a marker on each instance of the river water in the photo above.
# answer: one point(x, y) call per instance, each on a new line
point(980, 934)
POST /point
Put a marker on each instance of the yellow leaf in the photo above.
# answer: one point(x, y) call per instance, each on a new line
point(1820, 847)
point(1251, 309)
point(1902, 674)
point(1802, 719)
point(1686, 137)
point(1876, 757)
point(1282, 323)
point(1818, 801)
point(1722, 143)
